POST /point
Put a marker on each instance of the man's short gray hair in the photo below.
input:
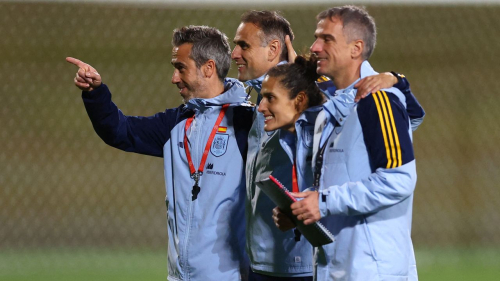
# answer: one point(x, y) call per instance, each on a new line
point(357, 24)
point(273, 26)
point(208, 44)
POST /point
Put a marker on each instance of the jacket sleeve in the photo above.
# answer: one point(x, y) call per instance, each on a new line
point(413, 107)
point(385, 128)
point(143, 135)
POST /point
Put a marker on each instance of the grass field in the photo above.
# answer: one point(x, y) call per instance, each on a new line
point(125, 265)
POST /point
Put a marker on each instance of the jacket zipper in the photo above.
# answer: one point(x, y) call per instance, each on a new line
point(196, 144)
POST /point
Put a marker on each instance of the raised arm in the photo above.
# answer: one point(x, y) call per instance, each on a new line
point(413, 107)
point(144, 135)
point(87, 78)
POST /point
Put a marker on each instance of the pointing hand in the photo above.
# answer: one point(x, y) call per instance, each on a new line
point(87, 78)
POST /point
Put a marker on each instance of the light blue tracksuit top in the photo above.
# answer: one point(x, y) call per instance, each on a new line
point(206, 236)
point(366, 187)
point(271, 251)
point(299, 146)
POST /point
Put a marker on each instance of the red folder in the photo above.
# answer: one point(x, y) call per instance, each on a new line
point(315, 233)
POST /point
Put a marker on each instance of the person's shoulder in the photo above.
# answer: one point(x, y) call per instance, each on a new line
point(382, 98)
point(385, 127)
point(382, 106)
point(325, 84)
point(180, 110)
point(173, 116)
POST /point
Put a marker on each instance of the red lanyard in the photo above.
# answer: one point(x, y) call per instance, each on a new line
point(295, 184)
point(196, 174)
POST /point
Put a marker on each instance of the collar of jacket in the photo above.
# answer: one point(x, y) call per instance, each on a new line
point(288, 143)
point(257, 82)
point(340, 103)
point(309, 115)
point(288, 139)
point(234, 94)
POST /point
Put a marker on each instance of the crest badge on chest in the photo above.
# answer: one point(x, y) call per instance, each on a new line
point(219, 145)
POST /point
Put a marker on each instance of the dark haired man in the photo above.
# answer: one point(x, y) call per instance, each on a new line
point(203, 143)
point(364, 161)
point(263, 40)
point(260, 44)
point(274, 255)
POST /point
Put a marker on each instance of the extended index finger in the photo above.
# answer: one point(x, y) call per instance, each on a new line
point(77, 62)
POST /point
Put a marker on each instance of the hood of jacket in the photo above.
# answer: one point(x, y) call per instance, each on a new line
point(234, 94)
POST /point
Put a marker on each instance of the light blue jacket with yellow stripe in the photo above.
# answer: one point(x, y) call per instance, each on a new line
point(366, 187)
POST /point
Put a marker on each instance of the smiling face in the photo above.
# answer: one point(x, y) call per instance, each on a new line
point(279, 110)
point(249, 55)
point(331, 48)
point(187, 76)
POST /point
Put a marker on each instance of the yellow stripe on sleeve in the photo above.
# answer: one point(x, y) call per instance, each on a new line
point(389, 159)
point(396, 137)
point(389, 130)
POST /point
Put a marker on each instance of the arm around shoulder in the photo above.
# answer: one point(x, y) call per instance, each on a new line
point(415, 110)
point(386, 134)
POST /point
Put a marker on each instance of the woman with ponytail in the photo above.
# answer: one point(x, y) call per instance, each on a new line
point(287, 91)
point(291, 100)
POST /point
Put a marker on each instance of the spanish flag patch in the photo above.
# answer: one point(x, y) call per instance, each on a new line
point(221, 129)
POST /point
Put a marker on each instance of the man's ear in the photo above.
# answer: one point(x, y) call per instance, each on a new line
point(357, 48)
point(274, 50)
point(208, 69)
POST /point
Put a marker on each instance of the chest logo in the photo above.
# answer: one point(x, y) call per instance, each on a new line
point(219, 145)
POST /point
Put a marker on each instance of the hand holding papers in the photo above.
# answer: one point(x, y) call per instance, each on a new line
point(315, 233)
